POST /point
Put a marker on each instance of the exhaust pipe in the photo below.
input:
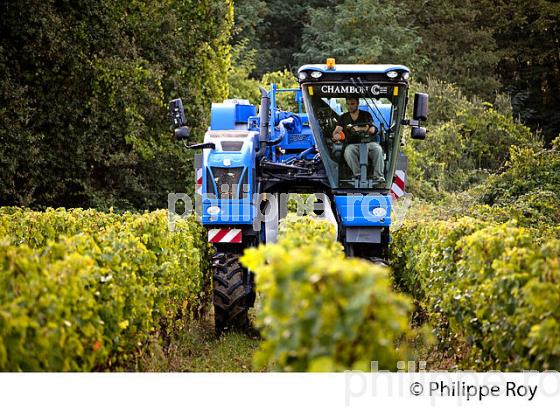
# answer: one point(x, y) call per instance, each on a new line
point(264, 115)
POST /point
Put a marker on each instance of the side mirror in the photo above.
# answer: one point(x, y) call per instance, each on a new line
point(418, 133)
point(177, 113)
point(420, 107)
point(181, 131)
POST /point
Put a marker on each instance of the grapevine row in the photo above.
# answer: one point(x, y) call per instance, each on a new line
point(86, 290)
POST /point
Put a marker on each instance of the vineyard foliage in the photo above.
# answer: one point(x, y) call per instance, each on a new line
point(322, 311)
point(486, 268)
point(85, 290)
point(531, 174)
point(469, 140)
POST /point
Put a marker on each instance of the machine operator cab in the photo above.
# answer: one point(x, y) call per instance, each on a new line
point(359, 147)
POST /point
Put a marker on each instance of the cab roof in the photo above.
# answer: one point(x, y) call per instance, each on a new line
point(354, 68)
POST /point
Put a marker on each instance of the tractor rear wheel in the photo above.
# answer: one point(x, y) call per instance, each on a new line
point(233, 293)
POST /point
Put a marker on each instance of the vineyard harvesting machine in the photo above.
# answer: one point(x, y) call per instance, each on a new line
point(250, 162)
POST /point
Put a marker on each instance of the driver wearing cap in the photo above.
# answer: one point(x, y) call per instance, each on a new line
point(352, 151)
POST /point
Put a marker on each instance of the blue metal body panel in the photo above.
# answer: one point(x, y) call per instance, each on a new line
point(243, 112)
point(230, 116)
point(232, 212)
point(358, 210)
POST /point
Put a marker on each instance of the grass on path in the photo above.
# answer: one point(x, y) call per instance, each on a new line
point(197, 349)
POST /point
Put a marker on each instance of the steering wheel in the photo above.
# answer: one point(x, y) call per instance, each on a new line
point(360, 135)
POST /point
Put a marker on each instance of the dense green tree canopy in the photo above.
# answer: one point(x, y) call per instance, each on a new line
point(358, 31)
point(457, 44)
point(528, 33)
point(274, 29)
point(83, 91)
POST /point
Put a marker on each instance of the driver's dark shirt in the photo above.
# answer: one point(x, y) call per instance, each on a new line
point(345, 119)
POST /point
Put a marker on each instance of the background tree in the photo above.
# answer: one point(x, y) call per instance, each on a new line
point(83, 93)
point(457, 44)
point(274, 29)
point(528, 32)
point(359, 31)
point(249, 18)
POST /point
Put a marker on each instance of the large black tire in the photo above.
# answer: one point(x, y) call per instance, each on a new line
point(233, 293)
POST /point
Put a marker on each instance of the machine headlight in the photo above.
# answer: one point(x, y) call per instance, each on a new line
point(213, 210)
point(379, 212)
point(392, 74)
point(406, 76)
point(316, 74)
point(302, 76)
